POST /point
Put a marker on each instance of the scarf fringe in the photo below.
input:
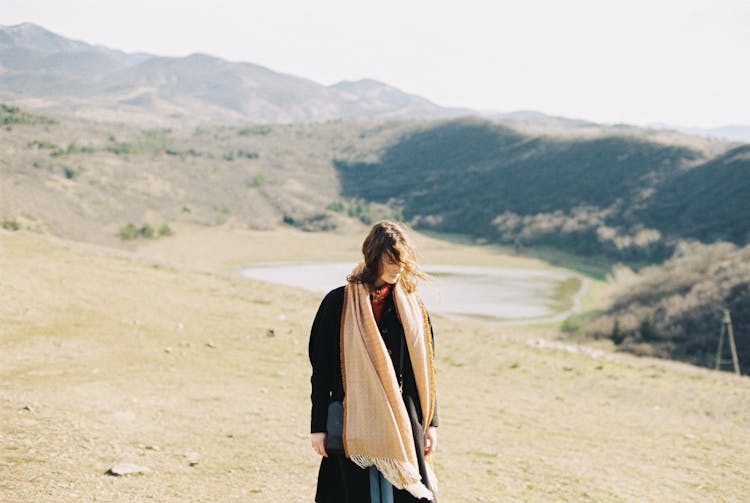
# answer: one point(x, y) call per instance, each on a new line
point(395, 471)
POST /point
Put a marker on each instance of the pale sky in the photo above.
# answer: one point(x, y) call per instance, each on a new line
point(683, 62)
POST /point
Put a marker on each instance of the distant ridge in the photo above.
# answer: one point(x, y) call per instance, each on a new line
point(737, 132)
point(50, 73)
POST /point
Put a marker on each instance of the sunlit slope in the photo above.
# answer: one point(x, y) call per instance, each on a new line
point(203, 378)
point(86, 181)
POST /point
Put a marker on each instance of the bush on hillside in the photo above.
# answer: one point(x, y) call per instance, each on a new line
point(69, 172)
point(675, 309)
point(336, 206)
point(55, 151)
point(369, 213)
point(165, 230)
point(254, 131)
point(240, 153)
point(583, 230)
point(11, 225)
point(150, 141)
point(121, 148)
point(146, 231)
point(74, 148)
point(129, 232)
point(11, 115)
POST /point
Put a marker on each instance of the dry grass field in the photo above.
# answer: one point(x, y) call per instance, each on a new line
point(163, 356)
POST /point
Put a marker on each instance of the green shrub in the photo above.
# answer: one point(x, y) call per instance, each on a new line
point(254, 131)
point(121, 148)
point(55, 151)
point(240, 153)
point(146, 231)
point(11, 225)
point(247, 154)
point(647, 329)
point(260, 179)
point(73, 148)
point(573, 323)
point(369, 213)
point(43, 145)
point(617, 334)
point(70, 173)
point(129, 232)
point(336, 206)
point(14, 115)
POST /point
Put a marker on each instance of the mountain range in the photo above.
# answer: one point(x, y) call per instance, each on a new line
point(48, 73)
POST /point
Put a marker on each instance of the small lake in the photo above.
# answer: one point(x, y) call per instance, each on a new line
point(503, 294)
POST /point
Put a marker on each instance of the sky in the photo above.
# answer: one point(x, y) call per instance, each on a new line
point(680, 62)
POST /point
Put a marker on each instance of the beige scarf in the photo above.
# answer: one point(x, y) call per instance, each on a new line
point(377, 430)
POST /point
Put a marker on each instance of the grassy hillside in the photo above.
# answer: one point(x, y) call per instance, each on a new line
point(177, 371)
point(87, 181)
point(611, 195)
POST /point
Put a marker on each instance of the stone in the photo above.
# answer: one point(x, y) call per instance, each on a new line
point(192, 458)
point(122, 469)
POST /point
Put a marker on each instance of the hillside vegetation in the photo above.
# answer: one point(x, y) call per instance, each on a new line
point(621, 196)
point(675, 310)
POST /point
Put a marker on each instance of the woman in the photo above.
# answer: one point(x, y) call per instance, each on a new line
point(357, 341)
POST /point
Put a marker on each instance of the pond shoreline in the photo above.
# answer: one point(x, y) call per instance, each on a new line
point(504, 295)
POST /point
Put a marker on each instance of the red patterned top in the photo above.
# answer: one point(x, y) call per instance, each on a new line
point(378, 300)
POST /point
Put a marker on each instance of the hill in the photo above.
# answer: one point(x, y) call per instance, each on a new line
point(624, 196)
point(86, 181)
point(53, 74)
point(202, 377)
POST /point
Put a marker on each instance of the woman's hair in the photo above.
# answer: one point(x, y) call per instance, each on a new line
point(388, 239)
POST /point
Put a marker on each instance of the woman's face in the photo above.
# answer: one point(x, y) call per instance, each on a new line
point(390, 270)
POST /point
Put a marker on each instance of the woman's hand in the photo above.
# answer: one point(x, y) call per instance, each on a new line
point(430, 440)
point(318, 441)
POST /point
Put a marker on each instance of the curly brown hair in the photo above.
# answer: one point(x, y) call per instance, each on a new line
point(388, 239)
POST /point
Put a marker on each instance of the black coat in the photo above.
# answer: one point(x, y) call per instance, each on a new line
point(339, 479)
